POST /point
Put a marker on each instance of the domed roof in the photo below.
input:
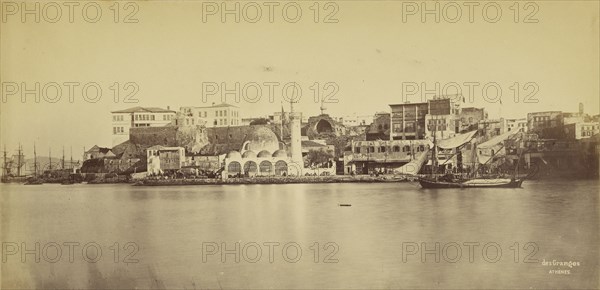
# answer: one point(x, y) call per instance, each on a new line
point(264, 153)
point(280, 153)
point(249, 154)
point(233, 154)
point(261, 138)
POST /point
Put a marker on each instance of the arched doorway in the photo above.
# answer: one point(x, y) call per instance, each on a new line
point(323, 126)
point(281, 167)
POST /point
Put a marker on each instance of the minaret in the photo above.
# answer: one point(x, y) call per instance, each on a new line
point(296, 139)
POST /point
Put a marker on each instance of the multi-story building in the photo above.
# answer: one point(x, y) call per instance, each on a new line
point(443, 118)
point(384, 156)
point(546, 124)
point(515, 125)
point(581, 130)
point(416, 121)
point(491, 127)
point(470, 117)
point(380, 128)
point(408, 121)
point(160, 158)
point(123, 120)
point(221, 115)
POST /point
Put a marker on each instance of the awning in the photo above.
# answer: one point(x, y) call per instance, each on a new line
point(456, 141)
point(496, 140)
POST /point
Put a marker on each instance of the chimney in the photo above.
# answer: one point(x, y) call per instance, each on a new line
point(581, 108)
point(168, 107)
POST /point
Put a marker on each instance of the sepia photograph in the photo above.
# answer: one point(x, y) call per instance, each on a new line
point(299, 144)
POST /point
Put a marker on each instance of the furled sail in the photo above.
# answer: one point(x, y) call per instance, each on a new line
point(493, 147)
point(456, 141)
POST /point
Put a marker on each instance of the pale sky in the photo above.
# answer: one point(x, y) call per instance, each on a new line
point(369, 53)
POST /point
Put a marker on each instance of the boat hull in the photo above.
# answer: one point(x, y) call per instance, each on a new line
point(473, 183)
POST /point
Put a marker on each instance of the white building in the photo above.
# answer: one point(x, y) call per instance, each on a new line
point(221, 115)
point(123, 120)
point(355, 120)
point(161, 158)
point(581, 130)
point(515, 125)
point(443, 118)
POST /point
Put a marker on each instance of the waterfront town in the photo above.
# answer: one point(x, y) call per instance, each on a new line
point(216, 142)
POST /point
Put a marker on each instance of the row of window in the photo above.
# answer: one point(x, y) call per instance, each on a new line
point(168, 117)
point(117, 118)
point(518, 125)
point(587, 133)
point(539, 119)
point(141, 125)
point(224, 122)
point(589, 127)
point(383, 149)
point(118, 130)
point(145, 117)
point(223, 113)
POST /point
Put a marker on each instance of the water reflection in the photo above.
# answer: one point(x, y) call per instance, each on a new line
point(170, 225)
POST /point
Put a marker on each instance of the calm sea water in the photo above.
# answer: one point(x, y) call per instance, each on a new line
point(174, 237)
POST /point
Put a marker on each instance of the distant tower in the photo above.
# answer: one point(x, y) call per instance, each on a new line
point(296, 139)
point(580, 108)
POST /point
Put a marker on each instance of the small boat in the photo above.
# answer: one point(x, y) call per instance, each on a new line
point(469, 181)
point(472, 183)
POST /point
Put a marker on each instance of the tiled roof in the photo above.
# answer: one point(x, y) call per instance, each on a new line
point(219, 105)
point(144, 110)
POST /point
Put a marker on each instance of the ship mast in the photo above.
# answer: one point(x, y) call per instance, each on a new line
point(71, 161)
point(434, 153)
point(50, 158)
point(5, 167)
point(34, 161)
point(19, 152)
point(63, 159)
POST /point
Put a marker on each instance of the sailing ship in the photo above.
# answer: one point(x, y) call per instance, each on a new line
point(34, 180)
point(12, 167)
point(470, 179)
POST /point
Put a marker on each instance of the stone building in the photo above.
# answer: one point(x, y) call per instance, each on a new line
point(546, 124)
point(161, 158)
point(220, 115)
point(383, 156)
point(581, 130)
point(380, 128)
point(124, 120)
point(408, 121)
point(262, 154)
point(323, 126)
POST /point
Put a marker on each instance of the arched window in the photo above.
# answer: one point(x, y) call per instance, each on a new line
point(421, 148)
point(266, 168)
point(234, 167)
point(396, 148)
point(406, 148)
